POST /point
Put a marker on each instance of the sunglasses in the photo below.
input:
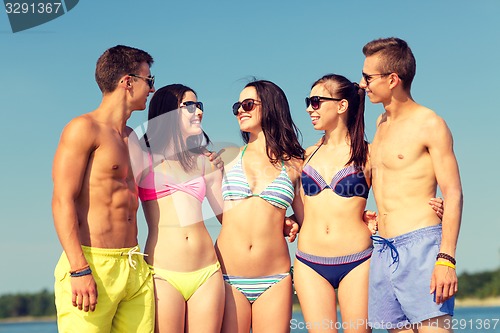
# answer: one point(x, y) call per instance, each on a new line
point(247, 105)
point(150, 80)
point(192, 106)
point(370, 77)
point(315, 101)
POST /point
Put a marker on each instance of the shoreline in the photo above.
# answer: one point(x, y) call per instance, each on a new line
point(477, 302)
point(28, 319)
point(459, 303)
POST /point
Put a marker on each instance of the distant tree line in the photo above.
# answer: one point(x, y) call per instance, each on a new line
point(476, 285)
point(479, 285)
point(32, 305)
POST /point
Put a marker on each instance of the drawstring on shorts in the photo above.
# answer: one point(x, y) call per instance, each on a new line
point(132, 251)
point(390, 244)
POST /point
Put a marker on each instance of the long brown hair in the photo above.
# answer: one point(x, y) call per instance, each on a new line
point(340, 87)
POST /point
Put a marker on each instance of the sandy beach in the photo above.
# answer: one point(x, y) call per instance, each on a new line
point(472, 302)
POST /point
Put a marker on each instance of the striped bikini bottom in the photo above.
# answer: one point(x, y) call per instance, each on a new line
point(252, 288)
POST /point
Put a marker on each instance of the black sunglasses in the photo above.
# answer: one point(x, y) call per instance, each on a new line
point(247, 105)
point(370, 77)
point(315, 101)
point(192, 106)
point(150, 80)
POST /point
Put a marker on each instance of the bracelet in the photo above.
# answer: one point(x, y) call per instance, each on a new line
point(79, 269)
point(444, 263)
point(447, 257)
point(87, 271)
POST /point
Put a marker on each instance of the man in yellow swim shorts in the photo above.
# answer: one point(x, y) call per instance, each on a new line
point(102, 281)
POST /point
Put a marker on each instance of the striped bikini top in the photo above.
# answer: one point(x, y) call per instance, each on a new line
point(279, 193)
point(348, 182)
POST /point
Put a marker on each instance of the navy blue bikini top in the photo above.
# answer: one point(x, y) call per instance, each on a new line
point(348, 182)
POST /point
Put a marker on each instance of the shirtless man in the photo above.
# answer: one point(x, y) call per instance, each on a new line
point(412, 272)
point(102, 282)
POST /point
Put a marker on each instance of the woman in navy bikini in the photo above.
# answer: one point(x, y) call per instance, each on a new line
point(257, 188)
point(334, 246)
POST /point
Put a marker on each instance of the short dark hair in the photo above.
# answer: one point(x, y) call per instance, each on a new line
point(395, 57)
point(118, 61)
point(279, 129)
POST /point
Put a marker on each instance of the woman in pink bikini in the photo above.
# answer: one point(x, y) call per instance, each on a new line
point(174, 177)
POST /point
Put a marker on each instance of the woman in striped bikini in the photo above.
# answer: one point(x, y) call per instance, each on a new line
point(257, 188)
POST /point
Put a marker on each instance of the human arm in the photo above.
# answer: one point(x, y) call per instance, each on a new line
point(437, 204)
point(214, 191)
point(215, 158)
point(70, 164)
point(370, 218)
point(293, 223)
point(138, 157)
point(444, 280)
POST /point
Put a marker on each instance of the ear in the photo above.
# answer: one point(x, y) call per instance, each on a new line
point(343, 106)
point(394, 80)
point(125, 82)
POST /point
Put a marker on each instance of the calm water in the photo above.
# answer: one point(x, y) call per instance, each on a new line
point(466, 320)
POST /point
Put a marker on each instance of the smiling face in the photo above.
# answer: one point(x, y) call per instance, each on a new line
point(327, 115)
point(140, 88)
point(377, 89)
point(190, 123)
point(250, 121)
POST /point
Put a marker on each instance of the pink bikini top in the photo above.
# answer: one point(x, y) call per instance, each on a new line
point(155, 185)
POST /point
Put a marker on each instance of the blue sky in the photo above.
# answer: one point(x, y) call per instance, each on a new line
point(47, 78)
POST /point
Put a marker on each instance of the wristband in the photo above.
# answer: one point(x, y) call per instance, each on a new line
point(79, 269)
point(447, 257)
point(86, 271)
point(444, 263)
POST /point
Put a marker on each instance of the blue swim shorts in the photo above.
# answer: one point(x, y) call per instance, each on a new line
point(400, 277)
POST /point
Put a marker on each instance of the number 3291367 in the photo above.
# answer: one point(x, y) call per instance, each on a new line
point(32, 8)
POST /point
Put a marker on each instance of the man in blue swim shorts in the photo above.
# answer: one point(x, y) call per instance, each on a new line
point(412, 270)
point(102, 282)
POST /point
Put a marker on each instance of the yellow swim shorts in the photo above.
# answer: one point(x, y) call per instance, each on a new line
point(125, 301)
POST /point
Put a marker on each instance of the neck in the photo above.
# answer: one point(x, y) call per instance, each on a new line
point(399, 104)
point(336, 137)
point(113, 111)
point(257, 141)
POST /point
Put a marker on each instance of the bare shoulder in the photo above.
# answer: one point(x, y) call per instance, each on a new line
point(80, 130)
point(78, 140)
point(430, 121)
point(310, 150)
point(229, 154)
point(294, 165)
